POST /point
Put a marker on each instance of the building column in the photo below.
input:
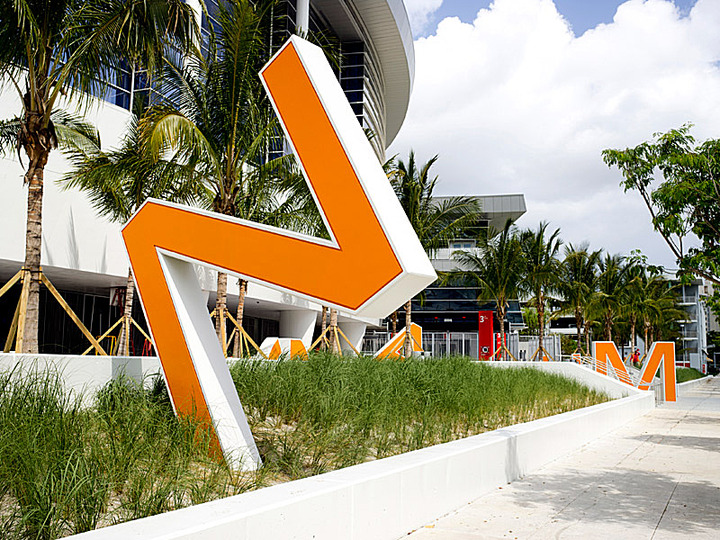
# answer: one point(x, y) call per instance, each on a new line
point(355, 331)
point(302, 23)
point(298, 324)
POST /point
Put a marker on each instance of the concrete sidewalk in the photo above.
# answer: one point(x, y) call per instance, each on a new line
point(656, 477)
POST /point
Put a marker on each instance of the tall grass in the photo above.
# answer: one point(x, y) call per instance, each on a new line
point(65, 469)
point(327, 412)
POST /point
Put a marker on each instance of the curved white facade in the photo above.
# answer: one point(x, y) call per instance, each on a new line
point(83, 254)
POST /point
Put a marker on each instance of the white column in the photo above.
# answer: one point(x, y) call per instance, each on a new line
point(354, 331)
point(302, 22)
point(298, 324)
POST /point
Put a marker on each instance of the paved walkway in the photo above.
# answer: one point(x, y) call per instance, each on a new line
point(657, 477)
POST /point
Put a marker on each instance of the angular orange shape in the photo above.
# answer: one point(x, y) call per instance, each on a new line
point(372, 263)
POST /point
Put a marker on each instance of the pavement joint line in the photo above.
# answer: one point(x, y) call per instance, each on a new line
point(665, 509)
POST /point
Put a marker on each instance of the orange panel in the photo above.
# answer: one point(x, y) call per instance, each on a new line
point(308, 267)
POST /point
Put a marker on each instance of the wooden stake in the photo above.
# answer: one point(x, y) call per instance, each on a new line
point(337, 339)
point(322, 335)
point(12, 334)
point(247, 336)
point(223, 340)
point(106, 334)
point(348, 341)
point(12, 281)
point(71, 314)
point(143, 332)
point(23, 309)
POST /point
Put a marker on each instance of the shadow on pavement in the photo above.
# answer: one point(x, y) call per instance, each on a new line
point(622, 497)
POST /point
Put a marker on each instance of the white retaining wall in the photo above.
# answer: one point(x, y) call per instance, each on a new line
point(84, 375)
point(692, 385)
point(612, 387)
point(388, 498)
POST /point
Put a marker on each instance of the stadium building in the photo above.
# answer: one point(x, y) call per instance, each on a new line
point(83, 254)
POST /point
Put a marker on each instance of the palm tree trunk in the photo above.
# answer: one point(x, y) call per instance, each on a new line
point(35, 175)
point(242, 291)
point(501, 319)
point(541, 325)
point(608, 327)
point(393, 320)
point(220, 307)
point(579, 327)
point(587, 341)
point(323, 327)
point(124, 341)
point(408, 348)
point(333, 331)
point(647, 345)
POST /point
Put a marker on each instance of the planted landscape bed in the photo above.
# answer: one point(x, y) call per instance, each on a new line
point(685, 374)
point(66, 469)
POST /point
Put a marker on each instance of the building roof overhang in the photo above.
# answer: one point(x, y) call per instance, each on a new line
point(386, 25)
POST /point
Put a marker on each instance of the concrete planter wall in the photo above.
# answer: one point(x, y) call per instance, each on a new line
point(386, 499)
point(692, 385)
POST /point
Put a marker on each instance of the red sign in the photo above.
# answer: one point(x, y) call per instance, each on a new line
point(485, 335)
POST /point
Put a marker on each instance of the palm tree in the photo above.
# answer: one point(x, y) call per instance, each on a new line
point(68, 49)
point(119, 181)
point(220, 120)
point(578, 284)
point(612, 284)
point(541, 269)
point(435, 222)
point(496, 268)
point(661, 315)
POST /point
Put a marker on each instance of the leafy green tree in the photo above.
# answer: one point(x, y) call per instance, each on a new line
point(67, 49)
point(496, 268)
point(541, 269)
point(679, 182)
point(435, 221)
point(578, 285)
point(119, 181)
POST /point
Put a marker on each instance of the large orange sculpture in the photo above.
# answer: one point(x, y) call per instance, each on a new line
point(372, 264)
point(661, 352)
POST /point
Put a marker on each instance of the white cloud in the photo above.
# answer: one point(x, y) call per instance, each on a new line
point(514, 102)
point(420, 12)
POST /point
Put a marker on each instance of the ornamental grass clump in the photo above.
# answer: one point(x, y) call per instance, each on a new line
point(330, 412)
point(65, 469)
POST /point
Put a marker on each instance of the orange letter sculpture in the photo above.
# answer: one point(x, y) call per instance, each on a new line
point(372, 264)
point(660, 351)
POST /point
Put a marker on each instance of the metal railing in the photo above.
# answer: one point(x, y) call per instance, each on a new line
point(436, 344)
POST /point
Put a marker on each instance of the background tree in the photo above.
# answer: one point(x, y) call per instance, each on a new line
point(683, 198)
point(611, 285)
point(119, 181)
point(541, 265)
point(218, 118)
point(496, 268)
point(578, 284)
point(435, 222)
point(54, 50)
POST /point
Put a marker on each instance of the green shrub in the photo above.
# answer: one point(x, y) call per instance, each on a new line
point(685, 374)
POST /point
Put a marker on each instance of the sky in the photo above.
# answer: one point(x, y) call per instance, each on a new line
point(522, 96)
